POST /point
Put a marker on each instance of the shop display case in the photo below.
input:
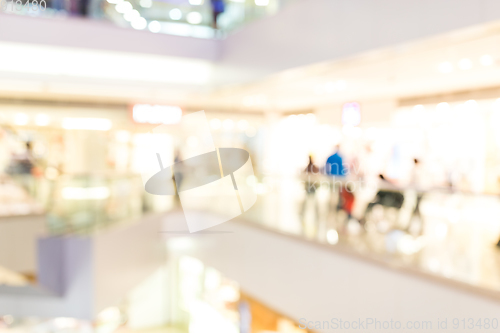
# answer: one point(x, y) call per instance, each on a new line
point(15, 200)
point(85, 203)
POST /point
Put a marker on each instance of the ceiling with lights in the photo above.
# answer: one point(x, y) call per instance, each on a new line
point(462, 60)
point(467, 59)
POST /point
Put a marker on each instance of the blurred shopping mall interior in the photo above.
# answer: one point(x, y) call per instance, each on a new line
point(249, 166)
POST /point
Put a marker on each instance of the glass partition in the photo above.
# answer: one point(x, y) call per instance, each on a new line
point(86, 203)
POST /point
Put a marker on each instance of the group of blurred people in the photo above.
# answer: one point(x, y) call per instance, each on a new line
point(345, 185)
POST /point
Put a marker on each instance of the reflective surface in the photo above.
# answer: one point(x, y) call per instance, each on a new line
point(86, 203)
point(454, 237)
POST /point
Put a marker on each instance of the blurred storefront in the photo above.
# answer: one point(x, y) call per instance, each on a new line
point(82, 163)
point(457, 144)
point(77, 161)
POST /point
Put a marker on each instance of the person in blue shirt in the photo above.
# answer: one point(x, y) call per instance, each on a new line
point(335, 168)
point(334, 164)
point(218, 7)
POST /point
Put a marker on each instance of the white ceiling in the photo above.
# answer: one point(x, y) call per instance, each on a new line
point(392, 73)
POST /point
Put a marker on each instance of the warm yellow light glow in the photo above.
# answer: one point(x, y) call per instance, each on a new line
point(242, 125)
point(156, 114)
point(42, 119)
point(332, 236)
point(215, 124)
point(85, 193)
point(96, 124)
point(21, 119)
point(486, 60)
point(228, 124)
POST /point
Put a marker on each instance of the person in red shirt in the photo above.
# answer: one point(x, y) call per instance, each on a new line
point(347, 200)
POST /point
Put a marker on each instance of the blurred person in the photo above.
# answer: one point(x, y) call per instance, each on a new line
point(310, 186)
point(347, 199)
point(218, 7)
point(417, 179)
point(22, 163)
point(22, 166)
point(334, 164)
point(388, 196)
point(386, 181)
point(366, 172)
point(370, 165)
point(417, 184)
point(334, 168)
point(83, 7)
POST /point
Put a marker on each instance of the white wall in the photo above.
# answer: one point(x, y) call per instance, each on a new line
point(304, 32)
point(310, 31)
point(18, 239)
point(80, 276)
point(101, 35)
point(304, 280)
point(65, 278)
point(125, 256)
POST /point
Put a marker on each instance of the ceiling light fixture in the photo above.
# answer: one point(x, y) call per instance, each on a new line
point(419, 108)
point(95, 124)
point(42, 119)
point(175, 14)
point(139, 23)
point(131, 15)
point(146, 3)
point(154, 26)
point(156, 114)
point(194, 18)
point(123, 7)
point(21, 119)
